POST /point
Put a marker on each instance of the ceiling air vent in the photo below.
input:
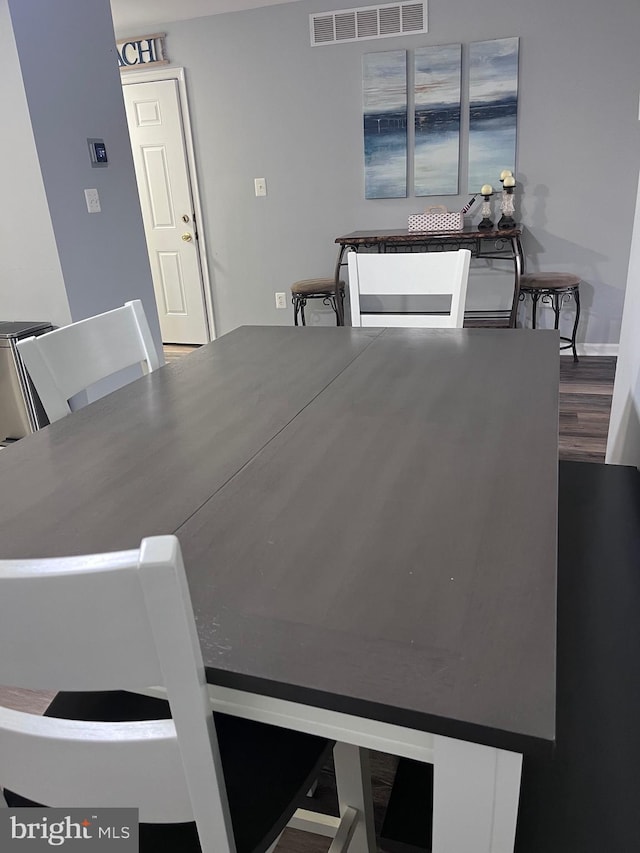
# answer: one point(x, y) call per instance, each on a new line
point(368, 22)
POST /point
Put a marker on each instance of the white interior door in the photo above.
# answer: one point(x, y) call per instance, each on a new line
point(157, 140)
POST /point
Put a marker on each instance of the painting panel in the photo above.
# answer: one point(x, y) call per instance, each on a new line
point(384, 78)
point(437, 119)
point(493, 110)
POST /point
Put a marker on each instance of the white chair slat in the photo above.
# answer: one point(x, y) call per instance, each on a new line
point(409, 274)
point(66, 361)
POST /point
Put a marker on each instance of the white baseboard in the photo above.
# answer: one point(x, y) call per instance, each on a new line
point(595, 349)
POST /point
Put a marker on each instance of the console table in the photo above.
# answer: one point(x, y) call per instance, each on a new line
point(497, 244)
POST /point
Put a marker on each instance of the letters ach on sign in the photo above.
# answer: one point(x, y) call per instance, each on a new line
point(141, 50)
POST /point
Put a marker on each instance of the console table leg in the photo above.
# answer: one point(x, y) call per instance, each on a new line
point(339, 301)
point(475, 797)
point(518, 269)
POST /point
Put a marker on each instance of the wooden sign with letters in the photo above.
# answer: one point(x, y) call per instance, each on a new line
point(141, 50)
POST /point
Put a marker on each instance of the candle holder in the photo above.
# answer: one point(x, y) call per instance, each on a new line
point(486, 223)
point(507, 205)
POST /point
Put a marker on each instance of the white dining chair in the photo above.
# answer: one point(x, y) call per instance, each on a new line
point(404, 277)
point(71, 359)
point(123, 622)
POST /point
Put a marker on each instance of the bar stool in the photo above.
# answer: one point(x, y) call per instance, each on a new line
point(554, 287)
point(315, 288)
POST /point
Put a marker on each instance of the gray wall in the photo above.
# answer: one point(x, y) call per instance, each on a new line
point(72, 85)
point(266, 104)
point(31, 283)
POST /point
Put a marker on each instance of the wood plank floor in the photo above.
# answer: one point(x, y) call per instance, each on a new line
point(585, 401)
point(586, 389)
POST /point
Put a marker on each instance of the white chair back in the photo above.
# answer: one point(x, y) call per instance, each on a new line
point(409, 274)
point(71, 359)
point(111, 621)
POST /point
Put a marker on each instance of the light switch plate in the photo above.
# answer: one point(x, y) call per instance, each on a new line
point(93, 201)
point(261, 186)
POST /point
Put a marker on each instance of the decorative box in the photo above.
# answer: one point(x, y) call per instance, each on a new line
point(436, 219)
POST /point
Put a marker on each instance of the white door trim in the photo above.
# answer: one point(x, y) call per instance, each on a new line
point(152, 75)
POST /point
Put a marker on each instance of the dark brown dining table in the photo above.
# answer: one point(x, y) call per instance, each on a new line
point(368, 521)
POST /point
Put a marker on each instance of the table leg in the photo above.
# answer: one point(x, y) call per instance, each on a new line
point(339, 302)
point(475, 797)
point(518, 266)
point(353, 781)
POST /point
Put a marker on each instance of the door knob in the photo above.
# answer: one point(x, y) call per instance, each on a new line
point(187, 237)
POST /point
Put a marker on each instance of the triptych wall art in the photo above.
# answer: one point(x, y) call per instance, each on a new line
point(385, 124)
point(436, 94)
point(493, 109)
point(437, 119)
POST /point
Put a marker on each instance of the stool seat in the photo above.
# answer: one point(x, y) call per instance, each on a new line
point(548, 281)
point(315, 288)
point(321, 286)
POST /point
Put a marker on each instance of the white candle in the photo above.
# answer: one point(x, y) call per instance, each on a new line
point(509, 181)
point(487, 189)
point(505, 173)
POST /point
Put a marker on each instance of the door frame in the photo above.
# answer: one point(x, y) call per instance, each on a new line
point(153, 75)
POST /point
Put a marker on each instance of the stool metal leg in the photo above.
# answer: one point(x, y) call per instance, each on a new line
point(556, 302)
point(298, 308)
point(556, 297)
point(535, 296)
point(300, 301)
point(576, 296)
point(333, 303)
